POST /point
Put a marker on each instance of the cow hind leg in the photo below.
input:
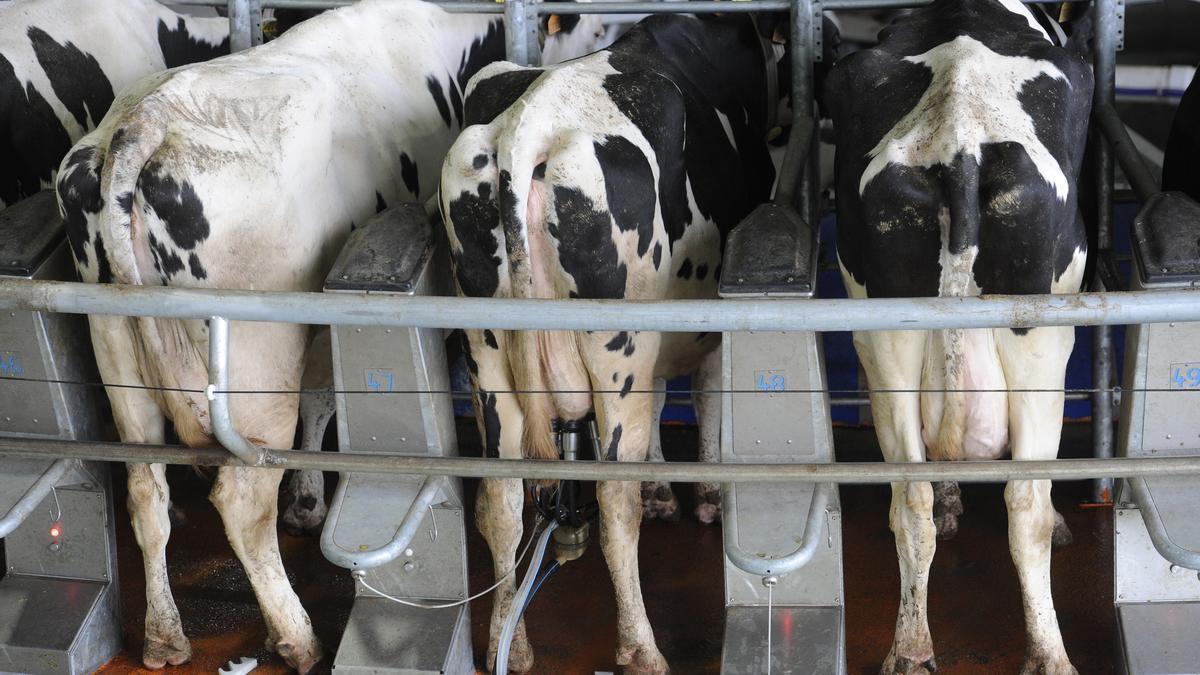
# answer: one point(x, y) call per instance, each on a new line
point(658, 500)
point(1035, 361)
point(708, 416)
point(139, 420)
point(625, 421)
point(304, 496)
point(500, 500)
point(893, 360)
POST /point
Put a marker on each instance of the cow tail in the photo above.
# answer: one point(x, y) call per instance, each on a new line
point(177, 361)
point(525, 347)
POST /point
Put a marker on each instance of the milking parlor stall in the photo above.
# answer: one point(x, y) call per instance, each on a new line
point(723, 336)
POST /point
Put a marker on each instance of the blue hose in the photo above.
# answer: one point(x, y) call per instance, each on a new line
point(520, 600)
point(550, 569)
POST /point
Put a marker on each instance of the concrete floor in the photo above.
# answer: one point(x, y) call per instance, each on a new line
point(975, 606)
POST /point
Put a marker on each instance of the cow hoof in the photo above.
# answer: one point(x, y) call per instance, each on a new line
point(905, 665)
point(947, 507)
point(708, 503)
point(1062, 534)
point(158, 654)
point(1048, 666)
point(658, 501)
point(646, 660)
point(176, 515)
point(304, 516)
point(302, 658)
point(947, 526)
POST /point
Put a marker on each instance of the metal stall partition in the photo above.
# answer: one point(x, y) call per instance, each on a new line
point(1156, 531)
point(783, 604)
point(402, 536)
point(58, 597)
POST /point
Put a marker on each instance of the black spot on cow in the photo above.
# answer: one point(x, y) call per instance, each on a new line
point(76, 77)
point(480, 161)
point(614, 378)
point(685, 270)
point(166, 261)
point(32, 140)
point(125, 201)
point(476, 266)
point(494, 95)
point(657, 254)
point(491, 423)
point(629, 184)
point(456, 104)
point(439, 99)
point(180, 48)
point(483, 50)
point(510, 220)
point(701, 271)
point(618, 342)
point(408, 173)
point(103, 270)
point(79, 192)
point(489, 338)
point(627, 386)
point(472, 366)
point(613, 443)
point(380, 204)
point(586, 249)
point(176, 203)
point(196, 268)
point(539, 171)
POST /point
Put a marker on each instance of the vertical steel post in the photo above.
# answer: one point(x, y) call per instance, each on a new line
point(239, 25)
point(515, 30)
point(218, 397)
point(802, 101)
point(1102, 349)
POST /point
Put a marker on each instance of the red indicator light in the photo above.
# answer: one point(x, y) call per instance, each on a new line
point(55, 531)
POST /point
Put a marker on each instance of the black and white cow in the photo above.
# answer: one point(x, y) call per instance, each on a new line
point(1181, 157)
point(63, 61)
point(959, 142)
point(617, 175)
point(249, 172)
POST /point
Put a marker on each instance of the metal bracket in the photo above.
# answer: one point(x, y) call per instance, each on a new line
point(1159, 536)
point(774, 566)
point(366, 559)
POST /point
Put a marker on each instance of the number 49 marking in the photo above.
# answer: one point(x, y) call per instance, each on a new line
point(1185, 376)
point(380, 379)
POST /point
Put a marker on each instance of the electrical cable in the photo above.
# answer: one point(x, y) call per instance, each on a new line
point(362, 579)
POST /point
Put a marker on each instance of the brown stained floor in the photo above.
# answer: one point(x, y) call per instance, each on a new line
point(975, 605)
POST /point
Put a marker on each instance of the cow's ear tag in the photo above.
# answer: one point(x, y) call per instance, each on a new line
point(774, 133)
point(778, 37)
point(552, 25)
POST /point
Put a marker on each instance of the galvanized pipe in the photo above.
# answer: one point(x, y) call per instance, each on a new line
point(239, 25)
point(1184, 557)
point(775, 314)
point(516, 46)
point(218, 400)
point(403, 536)
point(847, 472)
point(764, 565)
point(1105, 71)
point(1132, 162)
point(34, 495)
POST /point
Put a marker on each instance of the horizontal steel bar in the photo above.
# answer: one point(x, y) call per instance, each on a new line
point(648, 7)
point(847, 472)
point(1113, 308)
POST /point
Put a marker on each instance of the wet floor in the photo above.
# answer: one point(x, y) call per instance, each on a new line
point(975, 607)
